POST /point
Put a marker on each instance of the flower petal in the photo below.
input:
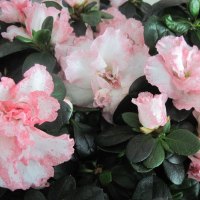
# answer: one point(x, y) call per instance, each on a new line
point(36, 78)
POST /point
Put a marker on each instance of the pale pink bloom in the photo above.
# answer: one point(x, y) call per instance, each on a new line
point(176, 71)
point(117, 3)
point(28, 152)
point(111, 62)
point(13, 11)
point(130, 27)
point(194, 168)
point(35, 16)
point(151, 109)
point(76, 3)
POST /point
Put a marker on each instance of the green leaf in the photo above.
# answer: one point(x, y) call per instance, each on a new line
point(48, 23)
point(166, 146)
point(194, 7)
point(87, 193)
point(59, 88)
point(154, 30)
point(105, 15)
point(167, 127)
point(64, 114)
point(61, 188)
point(156, 157)
point(84, 139)
point(105, 177)
point(24, 39)
point(33, 195)
point(139, 148)
point(183, 142)
point(8, 48)
point(90, 6)
point(151, 187)
point(140, 168)
point(45, 59)
point(113, 136)
point(52, 4)
point(42, 37)
point(175, 172)
point(92, 18)
point(124, 176)
point(179, 27)
point(131, 119)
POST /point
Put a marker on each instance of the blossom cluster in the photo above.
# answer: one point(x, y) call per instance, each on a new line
point(98, 70)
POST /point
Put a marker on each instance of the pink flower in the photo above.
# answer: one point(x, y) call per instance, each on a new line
point(130, 27)
point(13, 11)
point(101, 71)
point(194, 168)
point(28, 152)
point(117, 3)
point(151, 109)
point(34, 18)
point(175, 71)
point(76, 3)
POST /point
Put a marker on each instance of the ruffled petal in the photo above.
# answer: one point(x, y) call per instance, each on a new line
point(157, 75)
point(36, 78)
point(6, 85)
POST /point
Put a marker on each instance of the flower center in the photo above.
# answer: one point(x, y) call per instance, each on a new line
point(112, 79)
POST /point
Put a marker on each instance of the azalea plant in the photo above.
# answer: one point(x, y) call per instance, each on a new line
point(100, 100)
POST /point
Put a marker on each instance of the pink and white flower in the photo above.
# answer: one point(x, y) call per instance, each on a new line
point(34, 18)
point(13, 11)
point(102, 70)
point(77, 3)
point(151, 109)
point(175, 71)
point(130, 27)
point(28, 152)
point(194, 168)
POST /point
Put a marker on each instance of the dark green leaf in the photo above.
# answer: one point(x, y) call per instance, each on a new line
point(42, 37)
point(84, 139)
point(87, 193)
point(105, 177)
point(61, 188)
point(131, 119)
point(176, 159)
point(59, 88)
point(53, 4)
point(45, 59)
point(139, 148)
point(105, 15)
point(189, 188)
point(151, 187)
point(124, 177)
point(156, 157)
point(183, 142)
point(92, 18)
point(8, 48)
point(175, 114)
point(179, 27)
point(114, 136)
point(79, 28)
point(48, 23)
point(24, 39)
point(140, 168)
point(33, 195)
point(154, 30)
point(194, 7)
point(64, 114)
point(89, 6)
point(174, 172)
point(167, 127)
